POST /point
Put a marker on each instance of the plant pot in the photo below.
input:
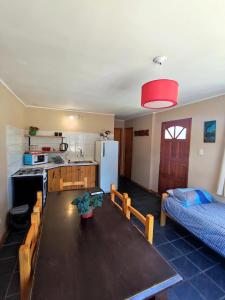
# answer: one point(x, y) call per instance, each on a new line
point(89, 214)
point(32, 132)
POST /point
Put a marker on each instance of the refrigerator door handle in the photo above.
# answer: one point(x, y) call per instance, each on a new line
point(103, 149)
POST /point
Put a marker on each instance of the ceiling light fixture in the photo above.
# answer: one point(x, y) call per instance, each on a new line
point(161, 93)
point(74, 117)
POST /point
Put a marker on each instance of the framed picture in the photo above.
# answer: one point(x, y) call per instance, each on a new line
point(210, 131)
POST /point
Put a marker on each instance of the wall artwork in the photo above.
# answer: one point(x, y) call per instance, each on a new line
point(210, 131)
point(141, 133)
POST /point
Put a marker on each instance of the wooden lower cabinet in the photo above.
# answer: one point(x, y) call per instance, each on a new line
point(90, 173)
point(54, 179)
point(71, 174)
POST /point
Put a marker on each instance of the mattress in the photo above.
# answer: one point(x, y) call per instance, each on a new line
point(206, 221)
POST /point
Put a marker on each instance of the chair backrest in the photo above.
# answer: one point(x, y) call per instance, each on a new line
point(39, 199)
point(122, 197)
point(147, 221)
point(38, 207)
point(27, 253)
point(77, 184)
point(36, 221)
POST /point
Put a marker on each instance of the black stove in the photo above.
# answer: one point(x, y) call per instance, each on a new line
point(26, 183)
point(29, 172)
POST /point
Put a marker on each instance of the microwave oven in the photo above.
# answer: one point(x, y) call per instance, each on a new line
point(35, 159)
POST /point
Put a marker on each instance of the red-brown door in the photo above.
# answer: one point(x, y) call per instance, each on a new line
point(174, 154)
point(128, 152)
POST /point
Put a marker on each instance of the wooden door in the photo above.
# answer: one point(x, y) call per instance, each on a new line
point(128, 141)
point(118, 137)
point(174, 154)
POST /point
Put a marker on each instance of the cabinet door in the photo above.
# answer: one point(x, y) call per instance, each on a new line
point(50, 180)
point(89, 172)
point(54, 180)
point(71, 174)
point(75, 173)
point(66, 175)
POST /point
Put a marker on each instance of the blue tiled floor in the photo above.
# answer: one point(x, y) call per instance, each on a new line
point(203, 269)
point(9, 276)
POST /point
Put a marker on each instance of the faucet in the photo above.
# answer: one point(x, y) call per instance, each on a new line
point(81, 153)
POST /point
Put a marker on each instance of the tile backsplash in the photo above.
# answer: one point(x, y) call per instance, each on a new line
point(81, 145)
point(15, 146)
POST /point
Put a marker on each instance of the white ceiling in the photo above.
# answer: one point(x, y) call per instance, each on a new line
point(95, 55)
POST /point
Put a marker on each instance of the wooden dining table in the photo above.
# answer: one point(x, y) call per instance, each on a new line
point(103, 258)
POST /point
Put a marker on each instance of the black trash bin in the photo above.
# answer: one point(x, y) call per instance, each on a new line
point(19, 217)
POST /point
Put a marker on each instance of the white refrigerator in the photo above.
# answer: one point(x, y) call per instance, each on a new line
point(106, 154)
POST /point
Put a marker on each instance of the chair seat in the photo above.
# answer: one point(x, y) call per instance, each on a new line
point(19, 210)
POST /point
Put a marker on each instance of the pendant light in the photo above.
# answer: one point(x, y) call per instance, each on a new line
point(160, 93)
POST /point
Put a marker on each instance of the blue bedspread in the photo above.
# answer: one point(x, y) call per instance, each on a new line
point(206, 221)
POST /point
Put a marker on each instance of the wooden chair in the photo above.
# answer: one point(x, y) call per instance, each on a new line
point(77, 184)
point(147, 221)
point(27, 253)
point(38, 207)
point(36, 221)
point(122, 197)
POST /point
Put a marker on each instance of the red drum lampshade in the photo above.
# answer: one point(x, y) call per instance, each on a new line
point(158, 94)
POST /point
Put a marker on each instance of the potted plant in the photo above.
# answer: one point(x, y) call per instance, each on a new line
point(87, 203)
point(33, 130)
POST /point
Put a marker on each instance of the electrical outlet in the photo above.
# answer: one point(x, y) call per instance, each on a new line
point(201, 152)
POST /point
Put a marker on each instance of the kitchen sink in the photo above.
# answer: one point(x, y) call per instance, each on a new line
point(80, 162)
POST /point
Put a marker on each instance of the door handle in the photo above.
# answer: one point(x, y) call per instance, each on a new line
point(103, 149)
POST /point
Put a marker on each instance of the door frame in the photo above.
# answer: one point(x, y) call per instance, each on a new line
point(131, 150)
point(120, 160)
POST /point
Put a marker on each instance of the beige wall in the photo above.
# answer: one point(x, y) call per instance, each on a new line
point(203, 170)
point(141, 158)
point(119, 123)
point(58, 120)
point(12, 113)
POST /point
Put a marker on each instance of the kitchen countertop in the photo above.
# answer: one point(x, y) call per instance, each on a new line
point(52, 165)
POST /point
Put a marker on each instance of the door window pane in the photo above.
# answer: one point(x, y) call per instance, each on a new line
point(172, 131)
point(178, 130)
point(182, 135)
point(167, 135)
point(175, 132)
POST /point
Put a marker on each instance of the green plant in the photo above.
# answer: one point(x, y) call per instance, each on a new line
point(86, 201)
point(33, 130)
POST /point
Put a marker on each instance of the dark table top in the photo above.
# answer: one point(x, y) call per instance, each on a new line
point(101, 258)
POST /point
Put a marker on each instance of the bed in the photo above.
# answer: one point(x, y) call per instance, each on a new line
point(205, 221)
